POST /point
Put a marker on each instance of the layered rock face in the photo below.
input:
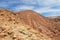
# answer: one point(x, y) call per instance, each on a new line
point(27, 25)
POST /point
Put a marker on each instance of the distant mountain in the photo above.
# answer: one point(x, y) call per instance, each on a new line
point(56, 18)
point(27, 25)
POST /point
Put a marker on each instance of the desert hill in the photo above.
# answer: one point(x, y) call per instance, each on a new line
point(27, 25)
point(39, 22)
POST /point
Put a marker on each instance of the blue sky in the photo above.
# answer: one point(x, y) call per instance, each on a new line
point(44, 7)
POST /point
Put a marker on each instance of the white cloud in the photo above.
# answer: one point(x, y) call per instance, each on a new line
point(23, 7)
point(47, 2)
point(42, 10)
point(28, 1)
